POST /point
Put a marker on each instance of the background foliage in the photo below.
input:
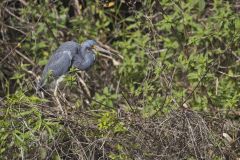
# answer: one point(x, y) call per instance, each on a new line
point(171, 90)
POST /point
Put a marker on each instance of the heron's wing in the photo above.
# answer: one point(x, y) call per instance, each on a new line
point(57, 65)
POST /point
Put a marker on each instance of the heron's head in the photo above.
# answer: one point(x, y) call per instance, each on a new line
point(86, 58)
point(91, 46)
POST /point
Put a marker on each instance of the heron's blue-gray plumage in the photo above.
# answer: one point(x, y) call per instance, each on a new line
point(67, 55)
point(58, 64)
point(86, 58)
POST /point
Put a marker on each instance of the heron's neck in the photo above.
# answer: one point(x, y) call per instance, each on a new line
point(84, 59)
point(83, 53)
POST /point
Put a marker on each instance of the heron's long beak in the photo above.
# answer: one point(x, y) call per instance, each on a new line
point(100, 49)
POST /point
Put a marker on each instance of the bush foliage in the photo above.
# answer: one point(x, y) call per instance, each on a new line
point(170, 91)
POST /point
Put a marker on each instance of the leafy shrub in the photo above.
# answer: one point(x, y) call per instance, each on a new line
point(177, 55)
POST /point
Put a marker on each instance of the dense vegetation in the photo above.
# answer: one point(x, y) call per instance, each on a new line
point(170, 91)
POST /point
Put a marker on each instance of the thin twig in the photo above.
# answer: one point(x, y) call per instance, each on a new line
point(12, 51)
point(25, 57)
point(133, 110)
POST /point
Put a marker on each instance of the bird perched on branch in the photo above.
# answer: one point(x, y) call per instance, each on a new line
point(69, 54)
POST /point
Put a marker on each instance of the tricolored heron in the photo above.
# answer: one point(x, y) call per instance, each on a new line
point(69, 54)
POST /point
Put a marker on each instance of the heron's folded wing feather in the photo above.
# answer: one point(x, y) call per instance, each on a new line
point(58, 65)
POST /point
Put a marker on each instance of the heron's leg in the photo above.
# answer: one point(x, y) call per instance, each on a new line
point(57, 84)
point(42, 94)
point(56, 95)
point(56, 88)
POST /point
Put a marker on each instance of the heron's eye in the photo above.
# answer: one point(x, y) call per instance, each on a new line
point(88, 49)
